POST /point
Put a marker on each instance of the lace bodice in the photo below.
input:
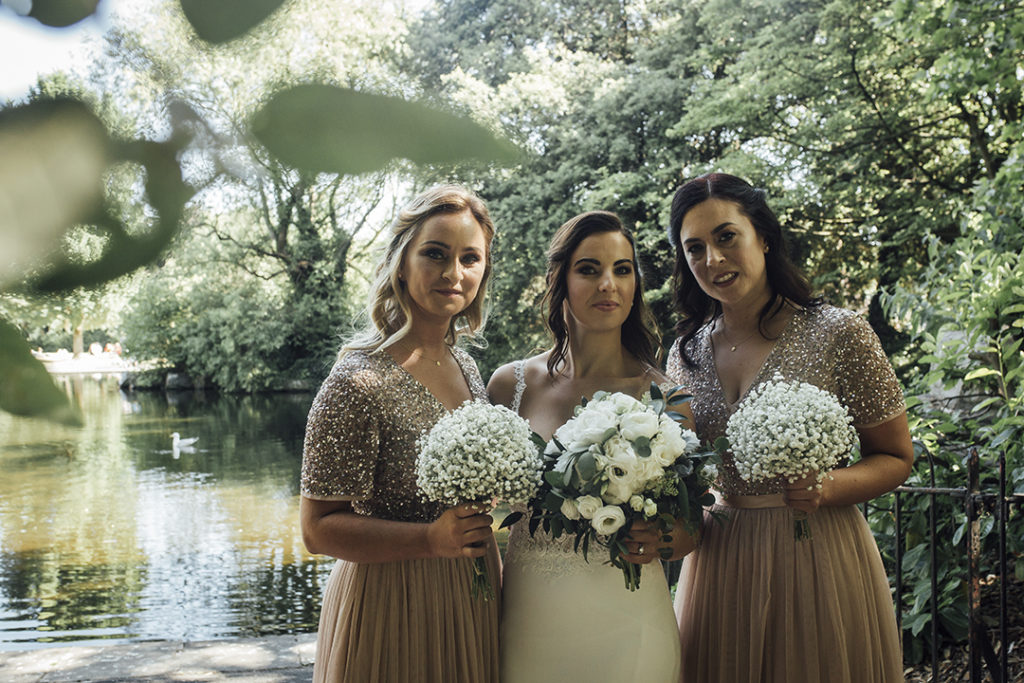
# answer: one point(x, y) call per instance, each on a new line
point(546, 555)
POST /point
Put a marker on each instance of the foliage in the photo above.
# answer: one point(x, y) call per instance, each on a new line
point(69, 148)
point(965, 315)
point(840, 110)
point(886, 134)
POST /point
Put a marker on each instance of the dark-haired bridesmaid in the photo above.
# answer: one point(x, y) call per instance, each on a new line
point(755, 604)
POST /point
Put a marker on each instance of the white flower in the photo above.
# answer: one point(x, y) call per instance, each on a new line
point(569, 509)
point(608, 520)
point(616, 492)
point(624, 403)
point(636, 502)
point(650, 508)
point(788, 429)
point(588, 506)
point(479, 452)
point(709, 473)
point(588, 427)
point(639, 424)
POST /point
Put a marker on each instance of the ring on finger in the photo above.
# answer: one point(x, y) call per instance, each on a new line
point(640, 549)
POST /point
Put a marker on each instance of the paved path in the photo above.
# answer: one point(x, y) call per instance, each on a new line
point(275, 659)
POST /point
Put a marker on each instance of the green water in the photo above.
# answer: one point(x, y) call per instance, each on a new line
point(108, 535)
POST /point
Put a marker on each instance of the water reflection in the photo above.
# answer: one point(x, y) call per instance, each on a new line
point(106, 535)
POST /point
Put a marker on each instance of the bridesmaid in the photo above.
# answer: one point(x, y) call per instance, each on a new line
point(398, 606)
point(753, 603)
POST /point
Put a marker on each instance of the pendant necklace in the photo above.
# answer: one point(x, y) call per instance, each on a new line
point(733, 347)
point(420, 353)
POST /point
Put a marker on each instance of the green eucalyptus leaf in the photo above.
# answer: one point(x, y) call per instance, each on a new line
point(553, 477)
point(683, 497)
point(678, 396)
point(656, 393)
point(552, 502)
point(587, 466)
point(557, 526)
point(510, 519)
point(533, 524)
point(721, 444)
point(324, 128)
point(218, 21)
point(26, 388)
point(61, 13)
point(54, 154)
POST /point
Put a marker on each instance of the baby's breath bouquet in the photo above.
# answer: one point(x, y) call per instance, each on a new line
point(480, 453)
point(791, 430)
point(619, 460)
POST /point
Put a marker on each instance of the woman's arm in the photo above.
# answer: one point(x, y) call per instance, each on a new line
point(332, 528)
point(501, 388)
point(886, 460)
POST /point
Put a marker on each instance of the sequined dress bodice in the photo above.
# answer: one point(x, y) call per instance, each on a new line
point(831, 348)
point(361, 438)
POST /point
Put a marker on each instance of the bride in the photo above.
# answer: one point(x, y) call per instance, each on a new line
point(563, 617)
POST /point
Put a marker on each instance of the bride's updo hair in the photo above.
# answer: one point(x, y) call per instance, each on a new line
point(389, 308)
point(639, 331)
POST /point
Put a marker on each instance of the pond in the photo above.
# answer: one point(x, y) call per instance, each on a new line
point(108, 534)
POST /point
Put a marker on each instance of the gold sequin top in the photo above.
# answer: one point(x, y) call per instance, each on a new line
point(831, 348)
point(362, 432)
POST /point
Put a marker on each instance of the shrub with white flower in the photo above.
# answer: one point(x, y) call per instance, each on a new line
point(792, 430)
point(619, 460)
point(480, 453)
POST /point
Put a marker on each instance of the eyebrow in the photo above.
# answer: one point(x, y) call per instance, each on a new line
point(717, 229)
point(597, 263)
point(439, 243)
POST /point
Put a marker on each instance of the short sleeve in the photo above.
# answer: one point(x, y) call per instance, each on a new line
point(865, 379)
point(674, 364)
point(341, 448)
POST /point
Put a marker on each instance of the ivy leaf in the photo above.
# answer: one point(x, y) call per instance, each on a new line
point(54, 155)
point(61, 13)
point(26, 388)
point(324, 128)
point(124, 252)
point(218, 21)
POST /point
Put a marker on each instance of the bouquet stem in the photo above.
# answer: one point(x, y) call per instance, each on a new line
point(801, 528)
point(630, 573)
point(481, 581)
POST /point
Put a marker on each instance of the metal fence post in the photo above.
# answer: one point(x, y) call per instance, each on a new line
point(974, 624)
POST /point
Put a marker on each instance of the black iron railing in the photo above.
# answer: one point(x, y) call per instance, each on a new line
point(975, 501)
point(979, 645)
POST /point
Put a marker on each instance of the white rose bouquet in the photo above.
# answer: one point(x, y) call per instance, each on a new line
point(791, 430)
point(480, 453)
point(617, 461)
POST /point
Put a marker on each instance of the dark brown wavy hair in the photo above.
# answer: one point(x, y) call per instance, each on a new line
point(786, 281)
point(639, 331)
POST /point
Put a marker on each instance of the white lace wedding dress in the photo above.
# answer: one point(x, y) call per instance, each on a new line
point(566, 619)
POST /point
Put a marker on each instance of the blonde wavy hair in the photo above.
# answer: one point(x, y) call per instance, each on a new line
point(389, 309)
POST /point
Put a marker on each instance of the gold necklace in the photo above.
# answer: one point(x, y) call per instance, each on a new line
point(725, 338)
point(420, 353)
